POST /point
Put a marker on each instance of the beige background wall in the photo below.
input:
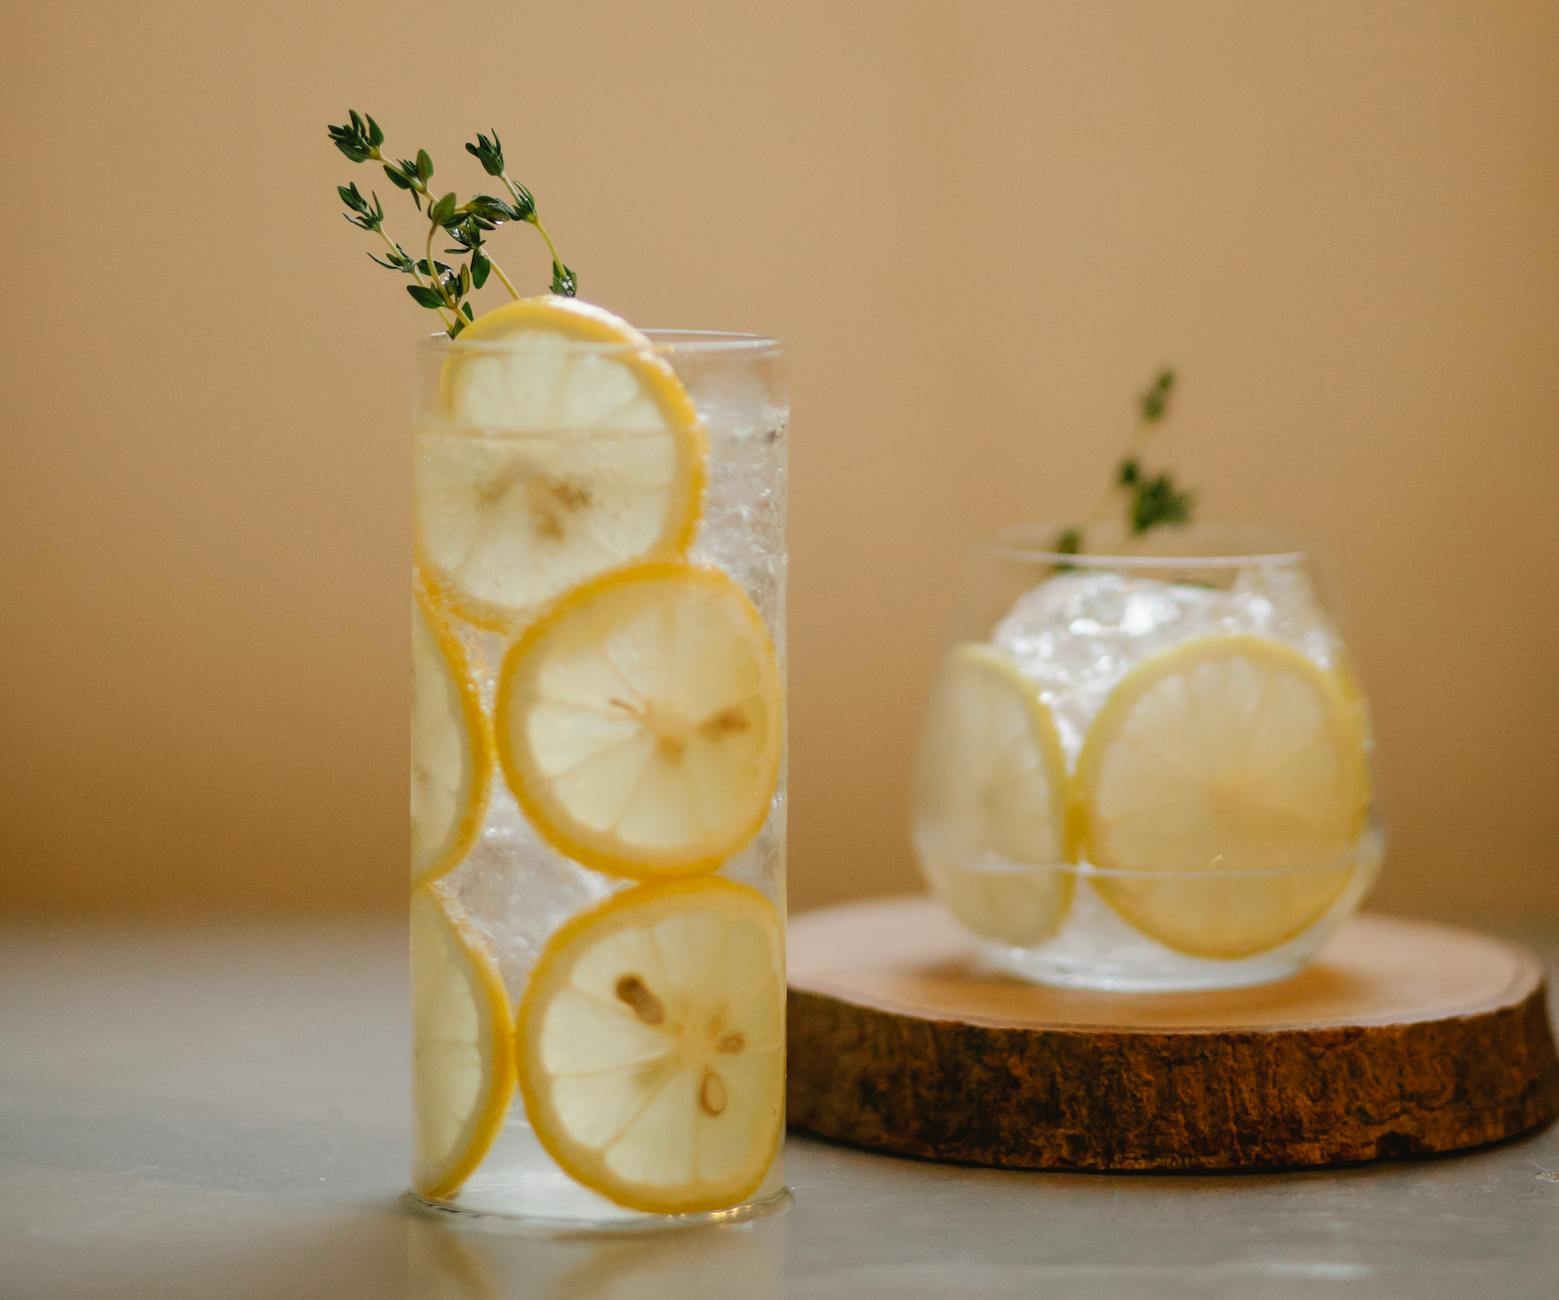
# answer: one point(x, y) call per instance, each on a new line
point(978, 225)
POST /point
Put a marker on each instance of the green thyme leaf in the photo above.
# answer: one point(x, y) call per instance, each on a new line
point(361, 212)
point(1069, 541)
point(524, 206)
point(1155, 401)
point(396, 260)
point(489, 153)
point(484, 207)
point(1152, 500)
point(356, 139)
point(1156, 502)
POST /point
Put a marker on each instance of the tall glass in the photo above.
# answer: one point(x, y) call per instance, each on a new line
point(1149, 769)
point(598, 794)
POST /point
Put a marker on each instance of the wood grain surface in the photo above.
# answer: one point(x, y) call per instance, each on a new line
point(1404, 1038)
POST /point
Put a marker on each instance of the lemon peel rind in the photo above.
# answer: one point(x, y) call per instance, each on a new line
point(478, 737)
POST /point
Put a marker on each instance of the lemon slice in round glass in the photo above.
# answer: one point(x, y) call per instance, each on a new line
point(652, 1045)
point(1235, 758)
point(451, 754)
point(639, 721)
point(991, 815)
point(564, 447)
point(462, 1046)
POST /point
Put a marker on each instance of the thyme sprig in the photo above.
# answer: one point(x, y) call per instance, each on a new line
point(1152, 500)
point(442, 286)
point(490, 154)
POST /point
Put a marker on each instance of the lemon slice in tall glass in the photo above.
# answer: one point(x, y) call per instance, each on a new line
point(562, 446)
point(451, 753)
point(652, 1045)
point(462, 1046)
point(639, 721)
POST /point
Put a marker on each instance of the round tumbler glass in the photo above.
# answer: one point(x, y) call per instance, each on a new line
point(1147, 771)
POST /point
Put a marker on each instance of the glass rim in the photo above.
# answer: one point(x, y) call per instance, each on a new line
point(1262, 545)
point(664, 341)
point(1348, 860)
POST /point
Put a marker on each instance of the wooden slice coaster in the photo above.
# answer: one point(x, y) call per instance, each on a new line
point(1404, 1038)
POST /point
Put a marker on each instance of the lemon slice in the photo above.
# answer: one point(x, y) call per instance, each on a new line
point(991, 800)
point(639, 721)
point(652, 1045)
point(565, 447)
point(462, 1047)
point(451, 754)
point(1235, 757)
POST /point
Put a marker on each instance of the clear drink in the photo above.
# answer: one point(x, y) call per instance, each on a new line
point(1148, 770)
point(600, 595)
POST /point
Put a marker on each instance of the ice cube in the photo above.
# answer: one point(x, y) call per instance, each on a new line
point(1076, 634)
point(517, 890)
point(743, 525)
point(1279, 600)
point(762, 863)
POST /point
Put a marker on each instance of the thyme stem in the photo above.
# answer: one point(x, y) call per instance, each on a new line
point(507, 283)
point(436, 285)
point(414, 272)
point(1151, 500)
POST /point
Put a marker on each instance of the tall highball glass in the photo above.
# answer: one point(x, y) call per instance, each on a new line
point(597, 784)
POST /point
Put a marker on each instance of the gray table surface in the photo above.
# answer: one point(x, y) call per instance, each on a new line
point(220, 1111)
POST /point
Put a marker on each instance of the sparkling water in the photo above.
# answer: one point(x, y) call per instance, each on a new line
point(514, 888)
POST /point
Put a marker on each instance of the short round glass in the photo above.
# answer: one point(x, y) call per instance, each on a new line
point(1147, 770)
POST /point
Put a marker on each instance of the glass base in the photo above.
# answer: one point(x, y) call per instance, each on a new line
point(1090, 944)
point(1096, 949)
point(1165, 974)
point(519, 1184)
point(629, 1223)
